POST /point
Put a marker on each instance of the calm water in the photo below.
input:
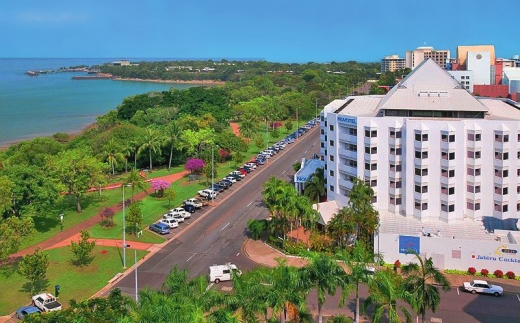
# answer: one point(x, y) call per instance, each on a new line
point(50, 103)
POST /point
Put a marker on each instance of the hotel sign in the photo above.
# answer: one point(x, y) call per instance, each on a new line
point(347, 120)
point(502, 254)
point(409, 244)
point(301, 179)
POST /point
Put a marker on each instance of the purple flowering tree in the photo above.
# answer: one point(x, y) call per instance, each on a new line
point(194, 165)
point(159, 185)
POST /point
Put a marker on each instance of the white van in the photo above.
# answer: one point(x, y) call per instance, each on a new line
point(219, 273)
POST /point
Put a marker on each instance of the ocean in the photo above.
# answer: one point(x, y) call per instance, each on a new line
point(49, 103)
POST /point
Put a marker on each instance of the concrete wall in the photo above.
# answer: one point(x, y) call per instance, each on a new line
point(449, 253)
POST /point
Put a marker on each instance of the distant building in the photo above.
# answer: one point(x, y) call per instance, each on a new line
point(392, 63)
point(462, 53)
point(122, 62)
point(465, 78)
point(478, 62)
point(415, 57)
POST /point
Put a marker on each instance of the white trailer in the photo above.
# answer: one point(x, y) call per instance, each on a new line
point(218, 273)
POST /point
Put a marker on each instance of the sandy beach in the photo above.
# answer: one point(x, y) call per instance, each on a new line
point(201, 82)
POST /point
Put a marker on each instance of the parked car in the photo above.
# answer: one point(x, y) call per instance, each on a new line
point(197, 203)
point(244, 170)
point(250, 165)
point(217, 188)
point(172, 223)
point(182, 212)
point(239, 173)
point(175, 216)
point(482, 286)
point(160, 228)
point(46, 302)
point(189, 208)
point(230, 183)
point(231, 179)
point(24, 311)
point(236, 176)
point(207, 193)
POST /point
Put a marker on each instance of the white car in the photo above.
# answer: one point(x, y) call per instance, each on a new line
point(237, 172)
point(172, 223)
point(231, 179)
point(482, 286)
point(250, 165)
point(207, 193)
point(176, 216)
point(182, 212)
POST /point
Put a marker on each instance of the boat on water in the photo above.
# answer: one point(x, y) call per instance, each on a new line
point(32, 73)
point(93, 76)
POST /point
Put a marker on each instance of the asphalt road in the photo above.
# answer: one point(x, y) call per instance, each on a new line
point(214, 235)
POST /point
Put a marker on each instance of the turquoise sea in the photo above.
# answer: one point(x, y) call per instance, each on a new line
point(48, 103)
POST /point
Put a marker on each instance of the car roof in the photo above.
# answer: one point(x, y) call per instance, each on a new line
point(29, 309)
point(161, 224)
point(478, 281)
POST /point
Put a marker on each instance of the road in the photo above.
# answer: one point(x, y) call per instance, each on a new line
point(215, 234)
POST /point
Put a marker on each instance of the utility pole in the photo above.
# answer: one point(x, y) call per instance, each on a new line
point(212, 174)
point(297, 124)
point(124, 228)
point(316, 108)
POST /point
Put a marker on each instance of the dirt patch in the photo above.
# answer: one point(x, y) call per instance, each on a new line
point(236, 128)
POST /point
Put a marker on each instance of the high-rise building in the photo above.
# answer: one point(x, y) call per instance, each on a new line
point(462, 53)
point(415, 57)
point(428, 148)
point(392, 63)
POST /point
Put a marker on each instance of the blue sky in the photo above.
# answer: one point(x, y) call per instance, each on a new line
point(275, 30)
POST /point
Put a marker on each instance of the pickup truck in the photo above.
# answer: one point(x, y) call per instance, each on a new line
point(46, 302)
point(194, 201)
point(482, 286)
point(207, 193)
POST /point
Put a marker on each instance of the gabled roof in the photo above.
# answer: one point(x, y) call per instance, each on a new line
point(430, 88)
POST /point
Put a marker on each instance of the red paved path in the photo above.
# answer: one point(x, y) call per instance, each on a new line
point(63, 238)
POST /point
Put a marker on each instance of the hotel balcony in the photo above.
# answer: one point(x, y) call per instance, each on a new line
point(446, 145)
point(395, 141)
point(447, 180)
point(474, 144)
point(474, 161)
point(421, 145)
point(371, 141)
point(421, 162)
point(370, 158)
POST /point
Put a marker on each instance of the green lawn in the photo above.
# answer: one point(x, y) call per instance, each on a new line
point(75, 282)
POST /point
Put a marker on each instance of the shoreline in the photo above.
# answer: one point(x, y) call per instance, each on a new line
point(202, 82)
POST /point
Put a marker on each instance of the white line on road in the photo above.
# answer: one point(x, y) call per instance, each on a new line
point(284, 172)
point(238, 254)
point(249, 204)
point(224, 227)
point(191, 257)
point(518, 297)
point(306, 151)
point(458, 293)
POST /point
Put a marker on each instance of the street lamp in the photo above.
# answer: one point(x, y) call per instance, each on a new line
point(135, 272)
point(124, 227)
point(212, 174)
point(297, 124)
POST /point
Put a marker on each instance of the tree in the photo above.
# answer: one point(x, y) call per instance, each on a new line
point(150, 142)
point(259, 142)
point(256, 227)
point(324, 274)
point(78, 171)
point(341, 226)
point(160, 185)
point(134, 217)
point(247, 128)
point(112, 154)
point(34, 268)
point(237, 157)
point(288, 125)
point(385, 290)
point(194, 165)
point(135, 181)
point(82, 250)
point(362, 212)
point(173, 136)
point(314, 187)
point(6, 195)
point(170, 195)
point(418, 283)
point(107, 217)
point(13, 231)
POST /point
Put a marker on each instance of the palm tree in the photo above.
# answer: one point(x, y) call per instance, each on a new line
point(385, 290)
point(362, 212)
point(112, 154)
point(247, 128)
point(151, 143)
point(340, 226)
point(135, 181)
point(324, 273)
point(173, 136)
point(424, 296)
point(357, 260)
point(249, 300)
point(314, 187)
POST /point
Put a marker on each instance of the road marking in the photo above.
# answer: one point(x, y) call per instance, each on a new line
point(306, 151)
point(191, 257)
point(518, 297)
point(249, 204)
point(458, 293)
point(209, 286)
point(224, 227)
point(238, 254)
point(284, 172)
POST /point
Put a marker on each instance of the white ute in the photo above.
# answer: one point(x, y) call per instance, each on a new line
point(482, 286)
point(46, 302)
point(219, 273)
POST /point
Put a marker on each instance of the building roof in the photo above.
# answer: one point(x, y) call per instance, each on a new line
point(308, 168)
point(512, 73)
point(327, 210)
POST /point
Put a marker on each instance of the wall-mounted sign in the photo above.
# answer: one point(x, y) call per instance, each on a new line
point(347, 120)
point(409, 244)
point(301, 179)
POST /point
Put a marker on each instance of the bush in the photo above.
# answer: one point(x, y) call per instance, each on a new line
point(510, 275)
point(499, 273)
point(257, 227)
point(472, 271)
point(484, 272)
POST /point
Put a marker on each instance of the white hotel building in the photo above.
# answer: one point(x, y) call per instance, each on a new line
point(435, 156)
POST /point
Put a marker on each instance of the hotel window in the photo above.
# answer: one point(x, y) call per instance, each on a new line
point(369, 133)
point(331, 173)
point(331, 188)
point(352, 131)
point(396, 167)
point(421, 171)
point(396, 151)
point(448, 155)
point(473, 205)
point(447, 172)
point(331, 143)
point(448, 137)
point(322, 131)
point(395, 184)
point(395, 200)
point(447, 190)
point(501, 207)
point(397, 134)
point(331, 157)
point(473, 188)
point(501, 155)
point(351, 147)
point(331, 127)
point(421, 206)
point(371, 182)
point(474, 171)
point(474, 136)
point(518, 155)
point(518, 137)
point(475, 154)
point(501, 190)
point(370, 150)
point(369, 166)
point(374, 199)
point(447, 207)
point(421, 154)
point(421, 189)
point(518, 206)
point(419, 136)
point(322, 145)
point(501, 172)
point(351, 163)
point(501, 137)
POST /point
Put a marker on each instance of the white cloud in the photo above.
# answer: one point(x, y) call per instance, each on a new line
point(55, 18)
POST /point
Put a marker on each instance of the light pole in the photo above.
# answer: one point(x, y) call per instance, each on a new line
point(212, 174)
point(297, 124)
point(266, 134)
point(316, 109)
point(135, 270)
point(124, 228)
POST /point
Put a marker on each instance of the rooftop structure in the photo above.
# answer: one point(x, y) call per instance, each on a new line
point(392, 63)
point(415, 57)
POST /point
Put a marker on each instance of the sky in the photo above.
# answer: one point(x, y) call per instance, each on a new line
point(288, 31)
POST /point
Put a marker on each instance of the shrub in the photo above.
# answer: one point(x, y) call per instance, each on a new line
point(510, 275)
point(484, 272)
point(499, 273)
point(472, 271)
point(194, 165)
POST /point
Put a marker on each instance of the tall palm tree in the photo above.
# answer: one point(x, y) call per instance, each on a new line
point(362, 212)
point(135, 181)
point(173, 136)
point(249, 300)
point(340, 226)
point(424, 296)
point(324, 274)
point(112, 154)
point(314, 187)
point(385, 290)
point(151, 142)
point(357, 260)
